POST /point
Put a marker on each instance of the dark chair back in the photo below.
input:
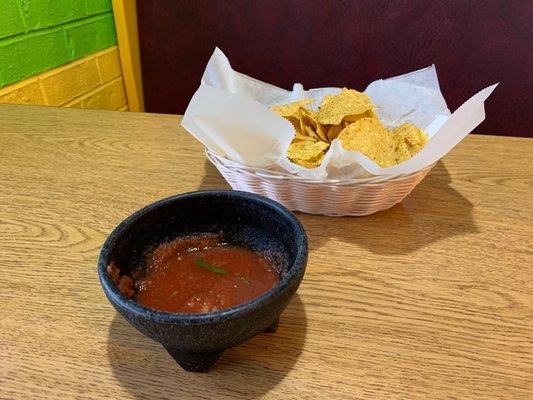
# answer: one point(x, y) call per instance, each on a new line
point(346, 43)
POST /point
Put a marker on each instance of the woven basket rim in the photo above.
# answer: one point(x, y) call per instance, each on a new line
point(263, 173)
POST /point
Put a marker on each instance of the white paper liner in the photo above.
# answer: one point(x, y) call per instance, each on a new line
point(229, 114)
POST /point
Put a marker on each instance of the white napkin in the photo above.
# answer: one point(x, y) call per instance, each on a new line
point(229, 114)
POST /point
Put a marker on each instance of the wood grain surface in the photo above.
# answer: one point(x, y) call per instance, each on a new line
point(431, 299)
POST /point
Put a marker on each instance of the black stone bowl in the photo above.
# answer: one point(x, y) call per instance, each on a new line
point(196, 341)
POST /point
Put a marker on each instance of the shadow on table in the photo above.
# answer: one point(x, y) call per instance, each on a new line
point(250, 370)
point(433, 211)
point(212, 178)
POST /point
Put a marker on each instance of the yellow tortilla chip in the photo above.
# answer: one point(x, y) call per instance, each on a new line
point(327, 98)
point(348, 103)
point(309, 114)
point(299, 136)
point(409, 140)
point(370, 137)
point(315, 162)
point(309, 117)
point(349, 116)
point(352, 118)
point(301, 123)
point(333, 132)
point(306, 150)
point(292, 113)
point(295, 124)
point(291, 109)
point(306, 123)
point(321, 133)
point(310, 131)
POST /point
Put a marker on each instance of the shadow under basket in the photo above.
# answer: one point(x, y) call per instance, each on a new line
point(351, 197)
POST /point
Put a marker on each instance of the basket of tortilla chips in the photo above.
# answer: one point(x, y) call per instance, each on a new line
point(327, 151)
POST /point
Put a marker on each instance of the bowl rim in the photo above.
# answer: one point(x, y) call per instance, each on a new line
point(296, 268)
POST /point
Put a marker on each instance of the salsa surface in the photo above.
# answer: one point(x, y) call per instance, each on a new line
point(202, 273)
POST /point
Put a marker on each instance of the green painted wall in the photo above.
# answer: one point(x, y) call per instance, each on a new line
point(38, 35)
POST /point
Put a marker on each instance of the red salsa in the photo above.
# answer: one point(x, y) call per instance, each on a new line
point(199, 274)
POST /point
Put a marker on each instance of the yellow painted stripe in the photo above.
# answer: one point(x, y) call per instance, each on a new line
point(125, 13)
point(27, 91)
point(110, 96)
point(69, 81)
point(109, 64)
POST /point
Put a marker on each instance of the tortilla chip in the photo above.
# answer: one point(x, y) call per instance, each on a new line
point(310, 164)
point(409, 140)
point(321, 133)
point(347, 104)
point(309, 114)
point(291, 109)
point(353, 118)
point(333, 132)
point(349, 116)
point(306, 150)
point(310, 131)
point(309, 117)
point(292, 113)
point(370, 137)
point(299, 136)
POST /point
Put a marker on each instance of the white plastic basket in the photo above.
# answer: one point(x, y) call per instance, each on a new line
point(352, 197)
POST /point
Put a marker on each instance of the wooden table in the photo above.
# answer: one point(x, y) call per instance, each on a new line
point(431, 299)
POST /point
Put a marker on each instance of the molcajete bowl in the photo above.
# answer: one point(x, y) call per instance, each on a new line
point(196, 341)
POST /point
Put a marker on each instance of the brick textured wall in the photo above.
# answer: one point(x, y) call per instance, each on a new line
point(38, 35)
point(94, 81)
point(60, 53)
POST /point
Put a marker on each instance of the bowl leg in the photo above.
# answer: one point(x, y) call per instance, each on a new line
point(273, 327)
point(194, 362)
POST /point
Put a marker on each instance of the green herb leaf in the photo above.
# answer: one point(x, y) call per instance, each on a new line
point(210, 267)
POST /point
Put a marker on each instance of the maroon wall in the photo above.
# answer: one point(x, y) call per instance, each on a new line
point(473, 43)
